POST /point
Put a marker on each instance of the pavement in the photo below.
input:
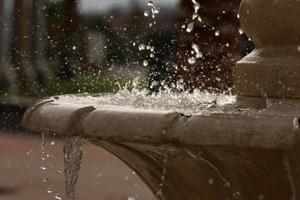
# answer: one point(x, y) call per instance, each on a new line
point(103, 176)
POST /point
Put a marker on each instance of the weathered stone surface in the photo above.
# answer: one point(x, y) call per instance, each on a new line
point(211, 173)
point(272, 128)
point(273, 69)
point(127, 124)
point(49, 117)
point(230, 153)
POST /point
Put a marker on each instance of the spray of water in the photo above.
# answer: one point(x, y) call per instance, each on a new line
point(184, 102)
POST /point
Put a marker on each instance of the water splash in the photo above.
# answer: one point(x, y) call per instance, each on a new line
point(186, 102)
point(195, 16)
point(73, 151)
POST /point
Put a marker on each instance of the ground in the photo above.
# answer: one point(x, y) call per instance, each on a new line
point(103, 176)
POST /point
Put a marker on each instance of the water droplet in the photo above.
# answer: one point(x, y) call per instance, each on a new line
point(142, 47)
point(45, 180)
point(211, 181)
point(49, 191)
point(146, 13)
point(156, 10)
point(296, 123)
point(196, 49)
point(150, 3)
point(192, 60)
point(236, 194)
point(190, 27)
point(43, 168)
point(241, 31)
point(58, 197)
point(217, 33)
point(145, 63)
point(74, 47)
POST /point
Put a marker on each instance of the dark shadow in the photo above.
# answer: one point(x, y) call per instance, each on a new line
point(8, 191)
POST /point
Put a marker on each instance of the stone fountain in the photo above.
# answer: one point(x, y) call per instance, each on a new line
point(246, 150)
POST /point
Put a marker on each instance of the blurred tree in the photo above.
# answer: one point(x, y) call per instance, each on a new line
point(39, 38)
point(74, 42)
point(3, 83)
point(21, 46)
point(1, 26)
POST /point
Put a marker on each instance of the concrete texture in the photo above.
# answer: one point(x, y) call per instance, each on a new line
point(215, 154)
point(272, 69)
point(103, 176)
point(273, 128)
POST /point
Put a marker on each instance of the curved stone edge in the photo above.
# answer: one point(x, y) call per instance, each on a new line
point(273, 129)
point(48, 117)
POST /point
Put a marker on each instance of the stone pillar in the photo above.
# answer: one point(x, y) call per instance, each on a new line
point(272, 70)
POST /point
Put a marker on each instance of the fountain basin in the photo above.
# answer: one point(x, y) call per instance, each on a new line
point(216, 153)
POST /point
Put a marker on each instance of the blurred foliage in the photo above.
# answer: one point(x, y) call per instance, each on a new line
point(55, 10)
point(82, 84)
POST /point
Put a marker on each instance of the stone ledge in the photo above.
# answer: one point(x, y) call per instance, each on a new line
point(273, 128)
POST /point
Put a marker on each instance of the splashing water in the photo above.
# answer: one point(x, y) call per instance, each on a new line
point(73, 151)
point(184, 102)
point(195, 16)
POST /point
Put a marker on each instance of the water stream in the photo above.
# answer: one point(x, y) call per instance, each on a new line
point(73, 151)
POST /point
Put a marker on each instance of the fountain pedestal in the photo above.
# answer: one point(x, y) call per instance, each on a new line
point(272, 70)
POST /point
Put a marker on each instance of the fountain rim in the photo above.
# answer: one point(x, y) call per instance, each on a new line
point(273, 128)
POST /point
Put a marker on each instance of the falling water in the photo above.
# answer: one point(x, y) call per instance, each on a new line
point(159, 193)
point(73, 151)
point(43, 167)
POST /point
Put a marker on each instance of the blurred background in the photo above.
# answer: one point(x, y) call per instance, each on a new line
point(51, 47)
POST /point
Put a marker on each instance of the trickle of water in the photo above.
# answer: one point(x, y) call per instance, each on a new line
point(44, 163)
point(159, 193)
point(73, 151)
